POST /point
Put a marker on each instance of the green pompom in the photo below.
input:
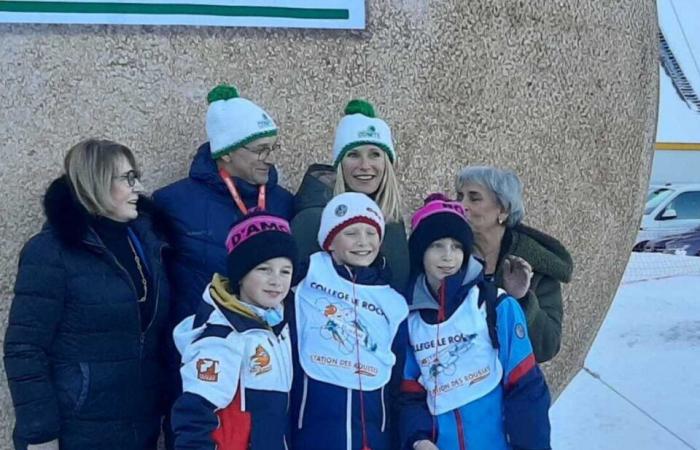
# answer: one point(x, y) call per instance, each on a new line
point(222, 92)
point(360, 107)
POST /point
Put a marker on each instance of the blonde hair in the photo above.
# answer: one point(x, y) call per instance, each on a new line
point(387, 197)
point(90, 166)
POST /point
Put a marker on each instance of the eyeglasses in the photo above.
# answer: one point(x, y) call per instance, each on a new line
point(131, 177)
point(263, 151)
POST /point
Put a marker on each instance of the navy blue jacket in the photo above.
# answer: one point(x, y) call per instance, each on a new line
point(78, 364)
point(202, 211)
point(322, 426)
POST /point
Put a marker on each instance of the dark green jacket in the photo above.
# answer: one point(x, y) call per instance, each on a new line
point(552, 265)
point(315, 191)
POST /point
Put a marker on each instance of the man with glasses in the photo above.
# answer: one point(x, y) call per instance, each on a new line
point(229, 176)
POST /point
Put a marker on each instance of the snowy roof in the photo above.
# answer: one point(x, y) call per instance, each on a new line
point(679, 118)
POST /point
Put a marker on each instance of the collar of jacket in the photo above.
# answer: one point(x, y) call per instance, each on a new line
point(71, 221)
point(544, 253)
point(376, 274)
point(316, 188)
point(236, 313)
point(204, 170)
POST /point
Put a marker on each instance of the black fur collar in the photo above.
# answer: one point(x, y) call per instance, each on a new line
point(71, 221)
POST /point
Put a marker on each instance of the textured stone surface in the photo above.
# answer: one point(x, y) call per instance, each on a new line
point(564, 92)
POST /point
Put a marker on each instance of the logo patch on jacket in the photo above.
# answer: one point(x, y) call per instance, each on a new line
point(520, 331)
point(208, 370)
point(260, 361)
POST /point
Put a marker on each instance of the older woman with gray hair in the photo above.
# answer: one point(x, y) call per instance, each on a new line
point(527, 263)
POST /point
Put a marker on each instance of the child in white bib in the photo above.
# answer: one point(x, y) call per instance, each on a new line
point(236, 350)
point(346, 317)
point(469, 379)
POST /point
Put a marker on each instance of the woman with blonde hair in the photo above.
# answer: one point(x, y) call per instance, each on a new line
point(89, 318)
point(363, 161)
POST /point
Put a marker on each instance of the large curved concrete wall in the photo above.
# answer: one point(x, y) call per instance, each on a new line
point(563, 92)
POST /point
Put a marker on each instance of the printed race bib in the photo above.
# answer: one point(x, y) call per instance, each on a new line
point(345, 331)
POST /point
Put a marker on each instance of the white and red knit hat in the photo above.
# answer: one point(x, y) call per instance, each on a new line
point(347, 209)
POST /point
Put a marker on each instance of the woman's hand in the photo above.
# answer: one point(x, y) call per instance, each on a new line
point(424, 445)
point(517, 274)
point(51, 445)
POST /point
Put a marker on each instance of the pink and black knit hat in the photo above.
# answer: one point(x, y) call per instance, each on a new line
point(438, 218)
point(254, 239)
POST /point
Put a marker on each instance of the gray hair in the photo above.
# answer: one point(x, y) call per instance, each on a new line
point(504, 183)
point(90, 166)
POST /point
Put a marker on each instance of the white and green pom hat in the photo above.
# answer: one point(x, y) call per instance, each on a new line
point(233, 122)
point(359, 127)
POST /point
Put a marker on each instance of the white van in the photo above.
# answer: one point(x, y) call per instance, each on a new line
point(670, 209)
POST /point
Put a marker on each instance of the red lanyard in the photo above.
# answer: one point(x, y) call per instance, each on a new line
point(237, 197)
point(365, 444)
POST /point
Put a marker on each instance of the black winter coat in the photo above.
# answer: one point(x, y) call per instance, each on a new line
point(79, 367)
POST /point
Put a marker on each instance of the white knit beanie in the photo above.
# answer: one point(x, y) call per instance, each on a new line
point(233, 122)
point(359, 127)
point(347, 209)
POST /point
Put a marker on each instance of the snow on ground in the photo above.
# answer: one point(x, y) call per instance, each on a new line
point(587, 416)
point(652, 266)
point(640, 388)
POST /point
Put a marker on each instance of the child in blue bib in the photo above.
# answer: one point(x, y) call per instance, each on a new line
point(469, 378)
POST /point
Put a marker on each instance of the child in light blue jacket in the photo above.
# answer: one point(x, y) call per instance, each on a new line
point(470, 378)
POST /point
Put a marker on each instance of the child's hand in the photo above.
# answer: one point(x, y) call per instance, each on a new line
point(517, 274)
point(424, 445)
